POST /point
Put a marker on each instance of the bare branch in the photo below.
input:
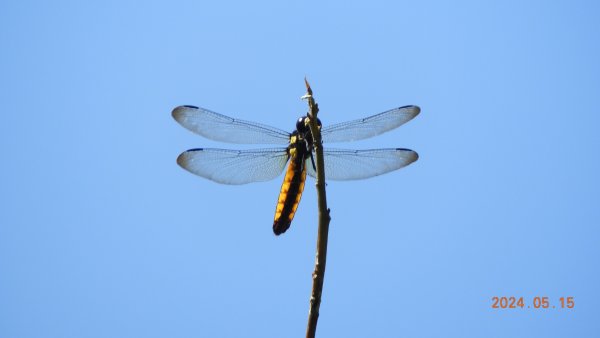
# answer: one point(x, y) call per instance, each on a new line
point(324, 218)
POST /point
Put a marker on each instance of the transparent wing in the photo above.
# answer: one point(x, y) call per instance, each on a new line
point(234, 166)
point(369, 126)
point(344, 165)
point(226, 129)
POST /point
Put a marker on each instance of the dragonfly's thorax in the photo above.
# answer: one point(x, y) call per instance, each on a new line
point(299, 144)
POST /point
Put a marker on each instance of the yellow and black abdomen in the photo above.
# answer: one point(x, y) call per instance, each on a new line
point(291, 192)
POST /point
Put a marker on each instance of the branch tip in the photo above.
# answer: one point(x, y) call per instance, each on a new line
point(308, 89)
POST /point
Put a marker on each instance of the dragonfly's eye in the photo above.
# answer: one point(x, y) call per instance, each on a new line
point(300, 126)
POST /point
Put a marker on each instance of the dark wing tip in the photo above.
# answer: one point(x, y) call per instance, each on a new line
point(415, 110)
point(184, 158)
point(178, 112)
point(412, 155)
point(415, 156)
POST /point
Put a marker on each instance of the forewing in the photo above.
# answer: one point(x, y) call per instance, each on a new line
point(234, 166)
point(343, 165)
point(369, 126)
point(227, 129)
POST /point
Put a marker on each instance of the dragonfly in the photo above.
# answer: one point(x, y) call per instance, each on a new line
point(227, 166)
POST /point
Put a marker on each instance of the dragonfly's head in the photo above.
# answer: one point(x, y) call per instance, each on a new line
point(302, 125)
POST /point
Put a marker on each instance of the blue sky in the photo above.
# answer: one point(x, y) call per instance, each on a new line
point(103, 235)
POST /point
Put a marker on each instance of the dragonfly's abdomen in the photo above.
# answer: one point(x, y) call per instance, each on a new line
point(290, 194)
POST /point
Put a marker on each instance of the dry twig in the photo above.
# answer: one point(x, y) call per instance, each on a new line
point(324, 218)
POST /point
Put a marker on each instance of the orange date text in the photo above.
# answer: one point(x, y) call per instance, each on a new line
point(534, 303)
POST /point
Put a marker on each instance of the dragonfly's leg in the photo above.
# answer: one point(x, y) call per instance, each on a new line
point(312, 160)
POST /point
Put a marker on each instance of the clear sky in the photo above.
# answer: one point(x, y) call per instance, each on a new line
point(103, 235)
